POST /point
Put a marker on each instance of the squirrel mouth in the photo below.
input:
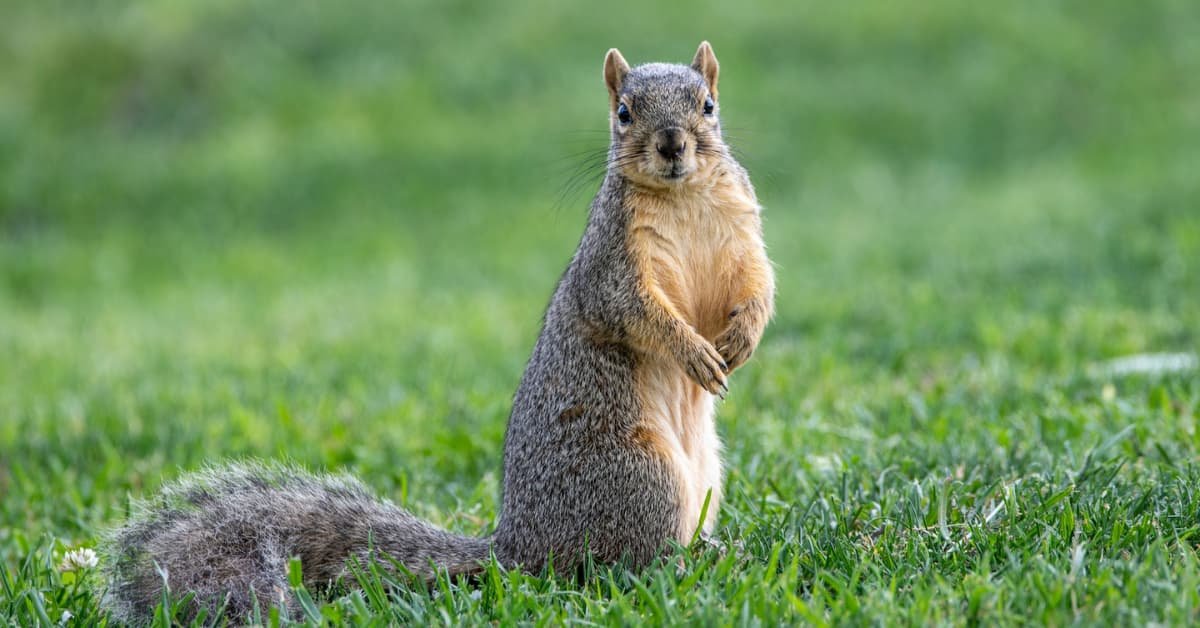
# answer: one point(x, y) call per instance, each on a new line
point(676, 172)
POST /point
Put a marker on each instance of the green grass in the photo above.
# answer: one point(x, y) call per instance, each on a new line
point(327, 234)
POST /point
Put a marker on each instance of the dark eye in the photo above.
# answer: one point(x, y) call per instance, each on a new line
point(623, 114)
point(708, 106)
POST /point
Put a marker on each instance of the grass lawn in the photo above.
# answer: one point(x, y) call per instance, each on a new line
point(326, 233)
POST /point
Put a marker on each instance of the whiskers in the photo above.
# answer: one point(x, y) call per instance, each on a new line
point(761, 171)
point(586, 169)
point(582, 170)
point(708, 144)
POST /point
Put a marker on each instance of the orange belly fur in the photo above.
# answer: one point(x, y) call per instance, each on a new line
point(692, 247)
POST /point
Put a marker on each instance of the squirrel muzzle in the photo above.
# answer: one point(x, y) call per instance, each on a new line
point(670, 143)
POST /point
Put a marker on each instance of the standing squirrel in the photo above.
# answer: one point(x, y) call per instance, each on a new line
point(611, 448)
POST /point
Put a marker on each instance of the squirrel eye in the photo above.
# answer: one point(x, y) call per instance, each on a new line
point(708, 106)
point(623, 114)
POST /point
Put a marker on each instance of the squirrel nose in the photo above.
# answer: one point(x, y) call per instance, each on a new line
point(669, 143)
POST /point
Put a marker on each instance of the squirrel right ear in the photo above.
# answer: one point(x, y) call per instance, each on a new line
point(705, 62)
point(615, 70)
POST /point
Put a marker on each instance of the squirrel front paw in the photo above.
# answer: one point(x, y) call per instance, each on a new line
point(703, 363)
point(736, 343)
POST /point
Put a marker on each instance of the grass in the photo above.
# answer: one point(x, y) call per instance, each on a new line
point(327, 234)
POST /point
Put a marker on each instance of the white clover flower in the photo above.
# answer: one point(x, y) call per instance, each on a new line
point(66, 616)
point(82, 558)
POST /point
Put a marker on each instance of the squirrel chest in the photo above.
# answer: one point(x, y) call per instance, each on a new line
point(691, 248)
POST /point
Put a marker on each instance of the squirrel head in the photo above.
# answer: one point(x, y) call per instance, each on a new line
point(664, 122)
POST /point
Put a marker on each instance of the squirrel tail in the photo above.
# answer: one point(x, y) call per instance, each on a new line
point(227, 534)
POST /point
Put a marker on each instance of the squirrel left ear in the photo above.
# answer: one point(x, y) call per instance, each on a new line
point(615, 71)
point(705, 62)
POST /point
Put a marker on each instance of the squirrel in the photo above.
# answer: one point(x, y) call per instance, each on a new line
point(611, 451)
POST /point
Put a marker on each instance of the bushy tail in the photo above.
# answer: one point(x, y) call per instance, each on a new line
point(227, 535)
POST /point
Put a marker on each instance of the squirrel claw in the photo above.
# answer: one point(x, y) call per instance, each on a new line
point(705, 366)
point(734, 349)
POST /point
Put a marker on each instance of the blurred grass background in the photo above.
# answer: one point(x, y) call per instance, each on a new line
point(328, 231)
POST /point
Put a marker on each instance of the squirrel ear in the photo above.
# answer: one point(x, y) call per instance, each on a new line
point(615, 70)
point(705, 62)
